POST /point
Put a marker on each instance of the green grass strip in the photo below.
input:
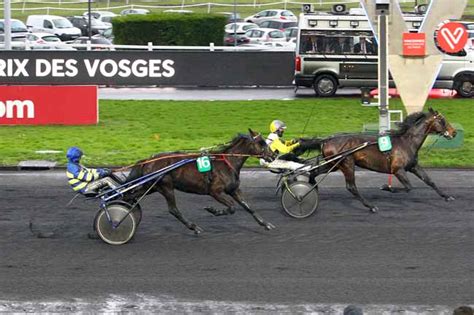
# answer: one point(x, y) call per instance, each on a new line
point(133, 130)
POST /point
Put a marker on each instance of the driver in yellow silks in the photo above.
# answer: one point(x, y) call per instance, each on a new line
point(285, 159)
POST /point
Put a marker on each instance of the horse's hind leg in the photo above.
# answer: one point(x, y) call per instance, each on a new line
point(222, 198)
point(421, 174)
point(237, 195)
point(168, 192)
point(347, 168)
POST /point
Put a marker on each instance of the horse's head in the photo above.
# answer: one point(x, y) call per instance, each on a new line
point(439, 125)
point(258, 146)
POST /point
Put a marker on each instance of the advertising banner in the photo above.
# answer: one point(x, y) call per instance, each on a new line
point(48, 105)
point(414, 44)
point(162, 68)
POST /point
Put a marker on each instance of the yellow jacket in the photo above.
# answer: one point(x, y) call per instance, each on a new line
point(276, 145)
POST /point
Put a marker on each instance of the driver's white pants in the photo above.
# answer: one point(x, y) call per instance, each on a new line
point(287, 165)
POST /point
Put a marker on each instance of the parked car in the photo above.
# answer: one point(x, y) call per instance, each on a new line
point(17, 26)
point(134, 11)
point(82, 23)
point(103, 16)
point(235, 32)
point(107, 34)
point(272, 15)
point(272, 46)
point(277, 24)
point(291, 33)
point(17, 41)
point(239, 27)
point(94, 40)
point(58, 25)
point(231, 16)
point(230, 39)
point(40, 41)
point(261, 35)
point(180, 11)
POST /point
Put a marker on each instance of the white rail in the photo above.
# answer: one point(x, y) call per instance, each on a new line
point(150, 47)
point(209, 5)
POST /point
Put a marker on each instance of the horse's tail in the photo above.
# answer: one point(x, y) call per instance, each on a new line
point(309, 144)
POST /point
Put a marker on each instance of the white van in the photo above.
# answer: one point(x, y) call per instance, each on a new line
point(58, 25)
point(336, 51)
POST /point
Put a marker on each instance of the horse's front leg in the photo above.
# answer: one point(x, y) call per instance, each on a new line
point(237, 195)
point(225, 200)
point(421, 174)
point(168, 192)
point(401, 175)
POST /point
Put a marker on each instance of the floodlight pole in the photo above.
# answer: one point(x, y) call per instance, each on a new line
point(89, 21)
point(7, 25)
point(382, 11)
point(235, 24)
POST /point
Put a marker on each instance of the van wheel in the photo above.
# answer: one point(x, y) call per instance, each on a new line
point(325, 85)
point(465, 86)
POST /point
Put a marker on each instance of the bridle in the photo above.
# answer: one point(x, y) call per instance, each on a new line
point(442, 121)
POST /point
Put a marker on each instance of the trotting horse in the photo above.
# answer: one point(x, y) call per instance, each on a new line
point(222, 183)
point(403, 158)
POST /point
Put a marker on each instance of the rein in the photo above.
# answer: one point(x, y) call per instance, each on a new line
point(223, 155)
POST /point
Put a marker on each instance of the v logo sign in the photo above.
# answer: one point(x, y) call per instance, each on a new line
point(452, 38)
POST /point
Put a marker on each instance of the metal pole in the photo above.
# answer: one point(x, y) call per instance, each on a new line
point(383, 73)
point(235, 23)
point(7, 25)
point(89, 21)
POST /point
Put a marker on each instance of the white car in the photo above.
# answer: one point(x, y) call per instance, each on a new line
point(284, 15)
point(45, 41)
point(53, 24)
point(239, 27)
point(103, 16)
point(264, 35)
point(134, 11)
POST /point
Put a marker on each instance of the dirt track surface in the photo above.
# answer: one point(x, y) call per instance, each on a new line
point(418, 250)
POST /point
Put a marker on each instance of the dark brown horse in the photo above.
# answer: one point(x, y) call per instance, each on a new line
point(222, 183)
point(403, 158)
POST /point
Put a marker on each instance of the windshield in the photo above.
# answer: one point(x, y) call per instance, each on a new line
point(338, 42)
point(62, 23)
point(51, 39)
point(17, 26)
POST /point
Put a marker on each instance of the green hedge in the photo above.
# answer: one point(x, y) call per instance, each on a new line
point(169, 29)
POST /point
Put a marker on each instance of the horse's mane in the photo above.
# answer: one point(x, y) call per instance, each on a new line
point(410, 121)
point(226, 146)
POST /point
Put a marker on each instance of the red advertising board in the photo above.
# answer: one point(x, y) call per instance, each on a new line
point(414, 44)
point(48, 105)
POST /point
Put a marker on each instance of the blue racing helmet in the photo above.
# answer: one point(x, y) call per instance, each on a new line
point(74, 154)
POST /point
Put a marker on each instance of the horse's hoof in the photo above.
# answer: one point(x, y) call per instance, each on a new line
point(374, 209)
point(269, 226)
point(46, 235)
point(386, 187)
point(449, 198)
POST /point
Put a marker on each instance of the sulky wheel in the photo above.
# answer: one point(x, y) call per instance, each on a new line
point(300, 200)
point(120, 228)
point(137, 210)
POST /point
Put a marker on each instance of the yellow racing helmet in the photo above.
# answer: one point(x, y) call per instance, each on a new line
point(277, 124)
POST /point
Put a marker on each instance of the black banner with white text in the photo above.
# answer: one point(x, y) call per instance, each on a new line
point(164, 68)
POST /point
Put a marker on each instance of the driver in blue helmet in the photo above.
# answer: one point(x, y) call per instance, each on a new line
point(86, 180)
